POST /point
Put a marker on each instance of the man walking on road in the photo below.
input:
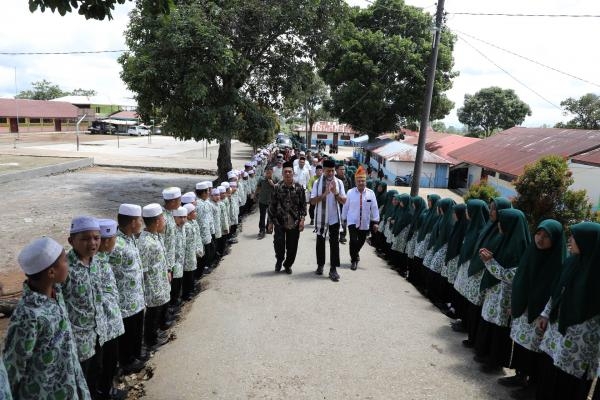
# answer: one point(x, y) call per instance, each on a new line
point(264, 189)
point(360, 211)
point(327, 194)
point(286, 216)
point(340, 173)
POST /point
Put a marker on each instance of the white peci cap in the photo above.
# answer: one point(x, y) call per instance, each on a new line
point(202, 185)
point(225, 185)
point(190, 208)
point(180, 212)
point(39, 255)
point(188, 197)
point(171, 193)
point(233, 184)
point(221, 189)
point(108, 228)
point(152, 210)
point(215, 192)
point(133, 210)
point(84, 223)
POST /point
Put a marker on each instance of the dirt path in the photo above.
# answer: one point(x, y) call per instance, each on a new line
point(255, 334)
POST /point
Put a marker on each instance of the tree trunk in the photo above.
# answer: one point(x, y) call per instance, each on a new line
point(309, 135)
point(224, 159)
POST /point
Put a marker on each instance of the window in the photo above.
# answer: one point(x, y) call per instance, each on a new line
point(98, 110)
point(321, 136)
point(506, 177)
point(21, 120)
point(356, 135)
point(345, 137)
point(48, 121)
point(34, 120)
point(2, 120)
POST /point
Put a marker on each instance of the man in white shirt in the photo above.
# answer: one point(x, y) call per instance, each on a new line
point(327, 192)
point(301, 173)
point(278, 169)
point(360, 211)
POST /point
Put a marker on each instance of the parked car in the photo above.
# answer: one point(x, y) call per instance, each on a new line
point(102, 128)
point(138, 130)
point(283, 141)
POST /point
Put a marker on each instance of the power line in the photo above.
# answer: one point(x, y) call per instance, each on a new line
point(44, 53)
point(527, 58)
point(526, 15)
point(509, 74)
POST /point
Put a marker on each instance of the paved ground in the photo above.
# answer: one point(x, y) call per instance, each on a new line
point(256, 334)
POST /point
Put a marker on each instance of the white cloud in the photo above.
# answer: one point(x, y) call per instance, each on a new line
point(567, 44)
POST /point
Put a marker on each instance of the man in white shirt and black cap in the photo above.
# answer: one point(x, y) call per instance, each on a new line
point(327, 194)
point(360, 212)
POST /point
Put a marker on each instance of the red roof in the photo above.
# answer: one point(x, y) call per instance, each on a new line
point(37, 109)
point(589, 158)
point(511, 150)
point(444, 145)
point(125, 115)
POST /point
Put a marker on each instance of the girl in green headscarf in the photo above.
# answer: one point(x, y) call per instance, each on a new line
point(381, 195)
point(430, 218)
point(400, 232)
point(538, 270)
point(571, 341)
point(493, 344)
point(419, 207)
point(386, 213)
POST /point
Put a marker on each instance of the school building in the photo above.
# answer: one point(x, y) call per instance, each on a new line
point(21, 116)
point(329, 132)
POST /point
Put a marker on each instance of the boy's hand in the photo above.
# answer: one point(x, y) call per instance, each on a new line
point(485, 255)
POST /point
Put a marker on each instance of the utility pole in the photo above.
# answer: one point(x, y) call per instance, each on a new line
point(439, 16)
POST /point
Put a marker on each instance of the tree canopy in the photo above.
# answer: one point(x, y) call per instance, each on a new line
point(207, 66)
point(45, 90)
point(586, 110)
point(96, 9)
point(376, 66)
point(492, 109)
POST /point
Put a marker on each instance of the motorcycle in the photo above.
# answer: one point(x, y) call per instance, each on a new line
point(405, 180)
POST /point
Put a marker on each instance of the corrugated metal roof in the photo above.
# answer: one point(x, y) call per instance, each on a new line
point(99, 100)
point(444, 145)
point(398, 151)
point(125, 115)
point(327, 127)
point(589, 158)
point(510, 150)
point(370, 146)
point(37, 108)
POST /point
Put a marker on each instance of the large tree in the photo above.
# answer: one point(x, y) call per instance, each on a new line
point(304, 100)
point(42, 90)
point(208, 62)
point(376, 66)
point(95, 9)
point(586, 111)
point(492, 109)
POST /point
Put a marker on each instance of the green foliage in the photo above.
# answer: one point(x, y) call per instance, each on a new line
point(42, 90)
point(206, 63)
point(492, 109)
point(261, 126)
point(376, 66)
point(586, 111)
point(481, 190)
point(543, 192)
point(96, 9)
point(83, 92)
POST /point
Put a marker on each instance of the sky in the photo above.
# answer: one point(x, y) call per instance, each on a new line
point(566, 44)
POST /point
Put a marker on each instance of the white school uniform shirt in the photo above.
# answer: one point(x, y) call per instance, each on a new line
point(301, 176)
point(354, 214)
point(332, 204)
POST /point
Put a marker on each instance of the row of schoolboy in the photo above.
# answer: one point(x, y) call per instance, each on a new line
point(110, 300)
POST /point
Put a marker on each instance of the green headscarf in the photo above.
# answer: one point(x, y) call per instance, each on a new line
point(489, 237)
point(444, 224)
point(370, 184)
point(388, 208)
point(479, 214)
point(458, 231)
point(403, 215)
point(380, 196)
point(515, 240)
point(417, 214)
point(538, 272)
point(430, 217)
point(577, 296)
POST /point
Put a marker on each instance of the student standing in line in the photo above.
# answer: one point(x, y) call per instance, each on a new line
point(449, 270)
point(418, 208)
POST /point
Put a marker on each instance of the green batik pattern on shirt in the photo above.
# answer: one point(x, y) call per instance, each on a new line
point(578, 351)
point(157, 289)
point(4, 385)
point(40, 352)
point(439, 259)
point(224, 207)
point(110, 299)
point(179, 252)
point(526, 334)
point(234, 208)
point(83, 296)
point(242, 192)
point(496, 301)
point(169, 238)
point(468, 286)
point(127, 269)
point(190, 245)
point(204, 218)
point(198, 238)
point(452, 269)
point(216, 210)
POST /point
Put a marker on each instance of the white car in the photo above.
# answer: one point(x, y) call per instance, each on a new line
point(138, 130)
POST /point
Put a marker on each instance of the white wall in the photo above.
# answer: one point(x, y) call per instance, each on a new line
point(588, 178)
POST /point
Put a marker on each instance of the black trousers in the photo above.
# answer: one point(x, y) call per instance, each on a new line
point(175, 290)
point(555, 384)
point(311, 212)
point(334, 247)
point(493, 343)
point(525, 362)
point(285, 242)
point(262, 217)
point(154, 316)
point(108, 369)
point(187, 283)
point(472, 321)
point(221, 242)
point(91, 368)
point(130, 343)
point(357, 240)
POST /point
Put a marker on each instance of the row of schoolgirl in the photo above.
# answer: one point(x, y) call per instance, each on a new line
point(103, 306)
point(524, 301)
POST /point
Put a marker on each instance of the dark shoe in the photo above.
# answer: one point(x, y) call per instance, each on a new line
point(278, 265)
point(513, 381)
point(261, 235)
point(133, 367)
point(160, 341)
point(232, 241)
point(319, 270)
point(468, 344)
point(333, 275)
point(167, 324)
point(144, 354)
point(458, 326)
point(490, 369)
point(187, 297)
point(207, 270)
point(312, 222)
point(343, 240)
point(114, 394)
point(174, 304)
point(354, 265)
point(288, 270)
